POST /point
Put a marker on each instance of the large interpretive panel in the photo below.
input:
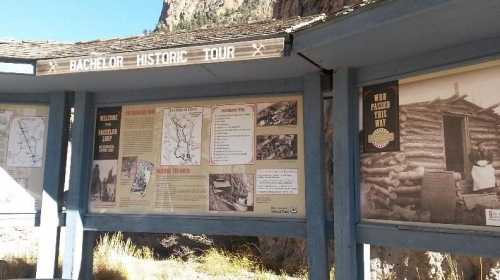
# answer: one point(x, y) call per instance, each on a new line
point(446, 169)
point(231, 156)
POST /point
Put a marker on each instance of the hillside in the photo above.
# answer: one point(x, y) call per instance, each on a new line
point(188, 14)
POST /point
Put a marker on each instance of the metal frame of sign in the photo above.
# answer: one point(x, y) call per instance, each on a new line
point(50, 217)
point(82, 226)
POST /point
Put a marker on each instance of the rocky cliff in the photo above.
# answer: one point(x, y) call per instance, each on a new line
point(188, 14)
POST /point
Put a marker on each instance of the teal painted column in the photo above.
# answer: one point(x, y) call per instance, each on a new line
point(78, 246)
point(317, 241)
point(348, 254)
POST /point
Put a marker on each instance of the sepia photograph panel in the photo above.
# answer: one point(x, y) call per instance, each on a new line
point(231, 192)
point(144, 171)
point(277, 147)
point(129, 167)
point(448, 169)
point(103, 181)
point(277, 113)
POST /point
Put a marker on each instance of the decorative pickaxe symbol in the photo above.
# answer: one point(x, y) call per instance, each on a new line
point(258, 49)
point(53, 66)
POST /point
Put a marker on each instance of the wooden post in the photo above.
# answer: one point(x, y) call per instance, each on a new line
point(317, 242)
point(53, 184)
point(348, 254)
point(77, 244)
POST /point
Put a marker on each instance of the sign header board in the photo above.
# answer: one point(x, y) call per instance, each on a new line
point(236, 51)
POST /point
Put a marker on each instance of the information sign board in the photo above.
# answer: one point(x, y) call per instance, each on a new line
point(232, 156)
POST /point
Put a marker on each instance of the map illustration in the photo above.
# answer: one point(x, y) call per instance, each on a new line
point(181, 143)
point(26, 142)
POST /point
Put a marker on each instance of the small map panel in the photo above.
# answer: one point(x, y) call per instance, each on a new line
point(182, 136)
point(26, 142)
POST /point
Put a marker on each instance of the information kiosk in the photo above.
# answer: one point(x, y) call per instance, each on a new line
point(220, 131)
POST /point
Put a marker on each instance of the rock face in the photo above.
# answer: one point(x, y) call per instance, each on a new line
point(291, 8)
point(188, 14)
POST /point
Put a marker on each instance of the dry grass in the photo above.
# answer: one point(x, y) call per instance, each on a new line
point(220, 264)
point(18, 267)
point(454, 272)
point(117, 258)
point(113, 257)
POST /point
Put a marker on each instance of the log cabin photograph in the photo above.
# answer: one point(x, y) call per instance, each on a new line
point(448, 167)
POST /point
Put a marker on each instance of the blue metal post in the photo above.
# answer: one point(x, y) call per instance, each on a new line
point(317, 241)
point(76, 247)
point(348, 254)
point(53, 184)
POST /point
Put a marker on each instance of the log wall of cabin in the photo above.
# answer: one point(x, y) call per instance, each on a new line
point(422, 136)
point(391, 181)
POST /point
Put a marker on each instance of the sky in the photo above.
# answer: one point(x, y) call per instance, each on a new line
point(76, 20)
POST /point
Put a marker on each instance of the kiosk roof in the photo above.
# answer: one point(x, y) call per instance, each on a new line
point(157, 40)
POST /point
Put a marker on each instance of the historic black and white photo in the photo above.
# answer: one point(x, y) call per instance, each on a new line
point(276, 147)
point(129, 167)
point(144, 170)
point(231, 192)
point(448, 170)
point(103, 181)
point(277, 113)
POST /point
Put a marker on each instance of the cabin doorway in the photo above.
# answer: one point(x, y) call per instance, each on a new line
point(455, 143)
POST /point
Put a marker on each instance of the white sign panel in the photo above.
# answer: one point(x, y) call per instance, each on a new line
point(277, 181)
point(233, 134)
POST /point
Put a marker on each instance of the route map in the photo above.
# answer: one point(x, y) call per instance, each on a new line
point(182, 136)
point(26, 142)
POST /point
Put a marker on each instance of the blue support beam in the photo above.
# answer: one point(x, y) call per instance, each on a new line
point(197, 225)
point(455, 56)
point(76, 246)
point(31, 98)
point(53, 184)
point(348, 253)
point(317, 241)
point(89, 239)
point(455, 239)
point(285, 86)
